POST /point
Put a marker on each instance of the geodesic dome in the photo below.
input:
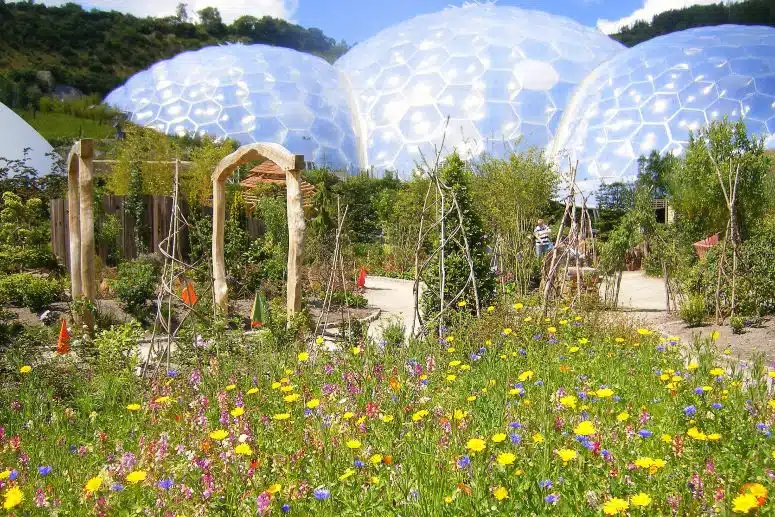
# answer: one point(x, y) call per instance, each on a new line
point(650, 96)
point(250, 93)
point(499, 73)
point(17, 135)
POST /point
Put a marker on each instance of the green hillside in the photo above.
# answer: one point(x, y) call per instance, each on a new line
point(750, 12)
point(95, 51)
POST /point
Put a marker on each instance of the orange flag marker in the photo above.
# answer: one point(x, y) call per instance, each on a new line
point(63, 343)
point(188, 295)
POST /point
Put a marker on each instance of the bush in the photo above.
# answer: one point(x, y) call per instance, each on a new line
point(348, 299)
point(32, 291)
point(115, 346)
point(693, 310)
point(393, 333)
point(135, 285)
point(737, 324)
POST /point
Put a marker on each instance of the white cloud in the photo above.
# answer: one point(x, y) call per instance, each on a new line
point(229, 9)
point(647, 12)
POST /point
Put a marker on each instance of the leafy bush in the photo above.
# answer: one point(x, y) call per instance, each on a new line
point(135, 285)
point(33, 291)
point(348, 299)
point(393, 333)
point(737, 323)
point(115, 346)
point(693, 310)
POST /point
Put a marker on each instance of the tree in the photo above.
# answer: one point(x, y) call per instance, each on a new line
point(654, 170)
point(210, 19)
point(181, 12)
point(696, 191)
point(456, 272)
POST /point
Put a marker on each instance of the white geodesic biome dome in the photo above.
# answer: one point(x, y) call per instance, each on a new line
point(651, 96)
point(251, 93)
point(16, 136)
point(499, 73)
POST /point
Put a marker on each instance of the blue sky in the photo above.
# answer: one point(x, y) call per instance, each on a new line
point(356, 20)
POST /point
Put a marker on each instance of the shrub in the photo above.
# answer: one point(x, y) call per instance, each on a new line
point(693, 310)
point(393, 333)
point(737, 323)
point(115, 346)
point(135, 285)
point(33, 291)
point(348, 299)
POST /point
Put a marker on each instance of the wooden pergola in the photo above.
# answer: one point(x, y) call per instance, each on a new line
point(268, 172)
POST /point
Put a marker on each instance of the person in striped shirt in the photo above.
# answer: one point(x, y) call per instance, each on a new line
point(543, 236)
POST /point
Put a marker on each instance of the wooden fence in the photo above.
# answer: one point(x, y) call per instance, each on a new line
point(156, 220)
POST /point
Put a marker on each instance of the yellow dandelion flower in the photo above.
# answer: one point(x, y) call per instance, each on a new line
point(237, 411)
point(419, 415)
point(538, 438)
point(162, 400)
point(386, 418)
point(640, 500)
point(353, 444)
point(604, 393)
point(622, 417)
point(243, 449)
point(498, 437)
point(312, 404)
point(518, 306)
point(348, 415)
point(136, 476)
point(567, 455)
point(281, 416)
point(375, 459)
point(506, 458)
point(219, 434)
point(615, 506)
point(93, 484)
point(293, 397)
point(585, 428)
point(13, 498)
point(500, 493)
point(252, 391)
point(568, 401)
point(476, 445)
point(133, 407)
point(231, 387)
point(303, 357)
point(526, 376)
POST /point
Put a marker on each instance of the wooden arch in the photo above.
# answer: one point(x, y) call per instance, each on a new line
point(292, 164)
point(80, 204)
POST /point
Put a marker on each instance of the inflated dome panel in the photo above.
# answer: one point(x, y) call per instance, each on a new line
point(498, 73)
point(651, 96)
point(251, 93)
point(16, 136)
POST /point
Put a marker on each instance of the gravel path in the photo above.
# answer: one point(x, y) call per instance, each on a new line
point(392, 295)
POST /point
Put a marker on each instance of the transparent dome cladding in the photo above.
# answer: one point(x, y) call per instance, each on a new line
point(651, 96)
point(499, 73)
point(254, 93)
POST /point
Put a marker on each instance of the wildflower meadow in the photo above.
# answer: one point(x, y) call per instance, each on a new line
point(511, 413)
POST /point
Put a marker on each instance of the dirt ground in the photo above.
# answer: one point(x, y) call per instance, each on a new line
point(744, 346)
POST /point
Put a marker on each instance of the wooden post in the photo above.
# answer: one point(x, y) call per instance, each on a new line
point(296, 227)
point(86, 194)
point(74, 223)
point(219, 262)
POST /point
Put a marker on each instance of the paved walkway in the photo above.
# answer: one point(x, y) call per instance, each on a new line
point(394, 296)
point(641, 292)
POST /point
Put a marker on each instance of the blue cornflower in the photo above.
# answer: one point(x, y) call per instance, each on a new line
point(117, 487)
point(285, 508)
point(717, 405)
point(690, 410)
point(321, 493)
point(515, 438)
point(172, 373)
point(552, 498)
point(515, 425)
point(539, 382)
point(522, 352)
point(13, 475)
point(546, 483)
point(358, 464)
point(699, 391)
point(45, 471)
point(606, 454)
point(463, 461)
point(645, 433)
point(165, 484)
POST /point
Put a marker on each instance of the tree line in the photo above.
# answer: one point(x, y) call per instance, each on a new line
point(96, 51)
point(749, 12)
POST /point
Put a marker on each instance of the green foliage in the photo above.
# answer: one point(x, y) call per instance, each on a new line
point(33, 291)
point(348, 299)
point(694, 188)
point(139, 146)
point(393, 333)
point(457, 269)
point(115, 347)
point(747, 12)
point(106, 234)
point(196, 181)
point(56, 127)
point(24, 236)
point(633, 228)
point(135, 285)
point(37, 37)
point(693, 310)
point(737, 324)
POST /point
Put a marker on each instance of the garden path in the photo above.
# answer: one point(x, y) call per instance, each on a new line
point(394, 297)
point(641, 292)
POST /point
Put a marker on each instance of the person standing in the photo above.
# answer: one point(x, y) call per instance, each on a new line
point(543, 237)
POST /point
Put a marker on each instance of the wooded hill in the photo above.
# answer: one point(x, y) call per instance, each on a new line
point(95, 51)
point(750, 12)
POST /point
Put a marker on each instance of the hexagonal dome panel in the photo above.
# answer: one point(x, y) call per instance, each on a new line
point(18, 136)
point(664, 88)
point(499, 73)
point(252, 93)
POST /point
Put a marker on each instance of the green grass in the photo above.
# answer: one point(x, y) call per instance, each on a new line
point(61, 125)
